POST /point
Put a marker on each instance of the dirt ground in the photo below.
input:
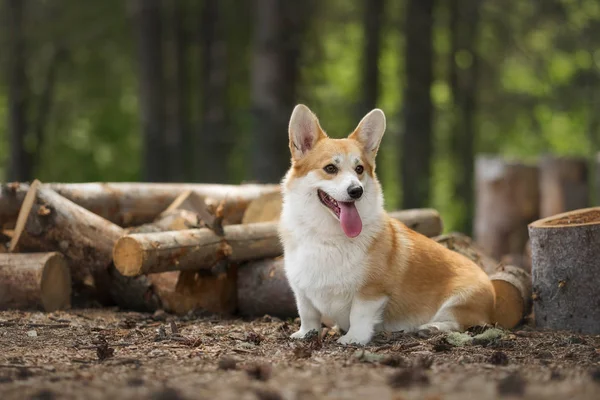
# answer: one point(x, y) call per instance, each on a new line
point(106, 354)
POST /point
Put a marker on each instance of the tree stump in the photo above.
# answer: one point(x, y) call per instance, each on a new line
point(507, 200)
point(563, 185)
point(34, 280)
point(565, 253)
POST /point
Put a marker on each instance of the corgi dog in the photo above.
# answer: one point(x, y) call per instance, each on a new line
point(347, 261)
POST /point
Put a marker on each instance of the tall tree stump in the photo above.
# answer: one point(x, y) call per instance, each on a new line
point(31, 281)
point(565, 252)
point(563, 185)
point(507, 200)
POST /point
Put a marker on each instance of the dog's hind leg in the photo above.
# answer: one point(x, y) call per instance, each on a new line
point(457, 314)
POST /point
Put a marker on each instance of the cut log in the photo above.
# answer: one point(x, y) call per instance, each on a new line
point(130, 204)
point(263, 289)
point(507, 200)
point(426, 221)
point(565, 254)
point(54, 223)
point(194, 249)
point(266, 208)
point(174, 220)
point(512, 285)
point(564, 185)
point(464, 245)
point(197, 249)
point(34, 281)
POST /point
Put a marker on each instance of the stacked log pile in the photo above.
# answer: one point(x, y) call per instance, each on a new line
point(178, 247)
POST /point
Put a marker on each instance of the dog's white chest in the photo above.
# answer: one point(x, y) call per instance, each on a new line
point(328, 275)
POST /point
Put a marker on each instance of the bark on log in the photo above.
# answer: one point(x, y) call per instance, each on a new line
point(563, 185)
point(263, 289)
point(131, 204)
point(266, 208)
point(507, 200)
point(196, 249)
point(128, 204)
point(175, 220)
point(34, 281)
point(174, 291)
point(565, 252)
point(513, 295)
point(54, 223)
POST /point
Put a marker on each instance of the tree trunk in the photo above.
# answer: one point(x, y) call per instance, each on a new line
point(418, 109)
point(214, 138)
point(463, 82)
point(508, 199)
point(372, 24)
point(512, 285)
point(176, 133)
point(20, 163)
point(150, 60)
point(563, 185)
point(565, 266)
point(279, 31)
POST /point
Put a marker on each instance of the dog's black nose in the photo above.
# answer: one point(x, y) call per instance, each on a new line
point(355, 192)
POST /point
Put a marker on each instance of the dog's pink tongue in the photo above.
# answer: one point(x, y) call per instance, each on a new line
point(349, 218)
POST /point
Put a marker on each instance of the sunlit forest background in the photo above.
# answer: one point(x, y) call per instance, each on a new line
point(202, 90)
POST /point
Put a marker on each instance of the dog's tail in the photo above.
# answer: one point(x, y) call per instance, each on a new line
point(513, 295)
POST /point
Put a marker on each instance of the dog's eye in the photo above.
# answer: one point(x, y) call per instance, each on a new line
point(359, 169)
point(330, 169)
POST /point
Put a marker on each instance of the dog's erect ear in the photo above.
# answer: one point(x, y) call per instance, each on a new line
point(369, 131)
point(304, 131)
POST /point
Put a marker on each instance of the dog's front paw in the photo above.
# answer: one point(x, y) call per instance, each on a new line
point(304, 334)
point(427, 331)
point(298, 335)
point(352, 339)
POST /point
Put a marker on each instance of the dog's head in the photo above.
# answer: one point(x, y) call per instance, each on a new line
point(332, 182)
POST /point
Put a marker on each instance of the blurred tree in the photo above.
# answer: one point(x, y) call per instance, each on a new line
point(177, 118)
point(372, 26)
point(417, 149)
point(214, 141)
point(278, 38)
point(464, 62)
point(148, 18)
point(18, 91)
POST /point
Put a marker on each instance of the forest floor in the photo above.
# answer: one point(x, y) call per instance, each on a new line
point(106, 354)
